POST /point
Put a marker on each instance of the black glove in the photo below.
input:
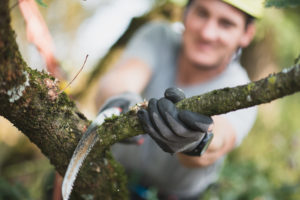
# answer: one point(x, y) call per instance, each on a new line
point(124, 101)
point(175, 130)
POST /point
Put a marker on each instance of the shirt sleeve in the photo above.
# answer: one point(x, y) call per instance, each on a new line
point(242, 121)
point(145, 44)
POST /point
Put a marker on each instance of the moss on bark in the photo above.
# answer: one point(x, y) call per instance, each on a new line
point(32, 102)
point(213, 103)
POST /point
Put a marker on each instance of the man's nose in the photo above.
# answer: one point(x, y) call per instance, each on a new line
point(208, 31)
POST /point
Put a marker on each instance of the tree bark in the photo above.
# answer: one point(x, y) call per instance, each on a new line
point(32, 102)
point(212, 103)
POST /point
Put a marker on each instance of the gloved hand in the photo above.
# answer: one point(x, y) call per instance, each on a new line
point(124, 101)
point(176, 130)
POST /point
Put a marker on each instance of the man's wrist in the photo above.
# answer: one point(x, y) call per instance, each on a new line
point(202, 146)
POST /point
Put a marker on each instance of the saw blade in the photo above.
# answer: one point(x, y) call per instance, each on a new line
point(83, 148)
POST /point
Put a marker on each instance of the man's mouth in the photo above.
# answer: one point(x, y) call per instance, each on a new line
point(204, 46)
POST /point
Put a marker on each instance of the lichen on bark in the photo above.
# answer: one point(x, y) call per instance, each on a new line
point(213, 103)
point(51, 120)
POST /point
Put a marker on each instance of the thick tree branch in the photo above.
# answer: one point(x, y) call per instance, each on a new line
point(213, 103)
point(31, 101)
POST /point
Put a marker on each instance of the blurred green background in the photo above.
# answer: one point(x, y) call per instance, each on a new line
point(266, 165)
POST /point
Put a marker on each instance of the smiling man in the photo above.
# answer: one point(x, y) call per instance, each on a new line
point(204, 56)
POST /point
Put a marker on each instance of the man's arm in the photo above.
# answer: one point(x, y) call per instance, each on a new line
point(222, 143)
point(132, 75)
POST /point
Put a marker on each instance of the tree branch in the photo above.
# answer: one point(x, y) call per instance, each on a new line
point(212, 103)
point(31, 101)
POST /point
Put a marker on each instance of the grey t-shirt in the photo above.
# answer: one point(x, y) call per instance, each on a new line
point(158, 44)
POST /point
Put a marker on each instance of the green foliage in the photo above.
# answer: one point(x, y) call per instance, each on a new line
point(12, 192)
point(297, 60)
point(282, 3)
point(41, 3)
point(24, 171)
point(245, 181)
point(179, 2)
point(278, 35)
point(266, 165)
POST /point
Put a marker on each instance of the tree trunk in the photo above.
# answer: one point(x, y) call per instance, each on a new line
point(32, 102)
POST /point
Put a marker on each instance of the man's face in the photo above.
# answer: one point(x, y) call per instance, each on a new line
point(213, 32)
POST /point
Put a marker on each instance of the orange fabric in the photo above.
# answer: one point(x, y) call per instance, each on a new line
point(38, 33)
point(57, 187)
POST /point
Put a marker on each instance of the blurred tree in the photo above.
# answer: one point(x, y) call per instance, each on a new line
point(12, 192)
point(282, 3)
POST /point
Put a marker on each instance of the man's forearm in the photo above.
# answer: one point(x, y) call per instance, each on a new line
point(222, 143)
point(130, 76)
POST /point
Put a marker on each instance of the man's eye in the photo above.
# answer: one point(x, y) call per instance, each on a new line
point(226, 24)
point(201, 13)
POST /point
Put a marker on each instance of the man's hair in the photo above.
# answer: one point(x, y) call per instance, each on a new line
point(188, 3)
point(249, 18)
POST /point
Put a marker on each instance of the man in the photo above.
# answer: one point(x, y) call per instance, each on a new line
point(202, 58)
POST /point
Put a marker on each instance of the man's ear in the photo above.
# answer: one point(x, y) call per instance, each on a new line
point(248, 35)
